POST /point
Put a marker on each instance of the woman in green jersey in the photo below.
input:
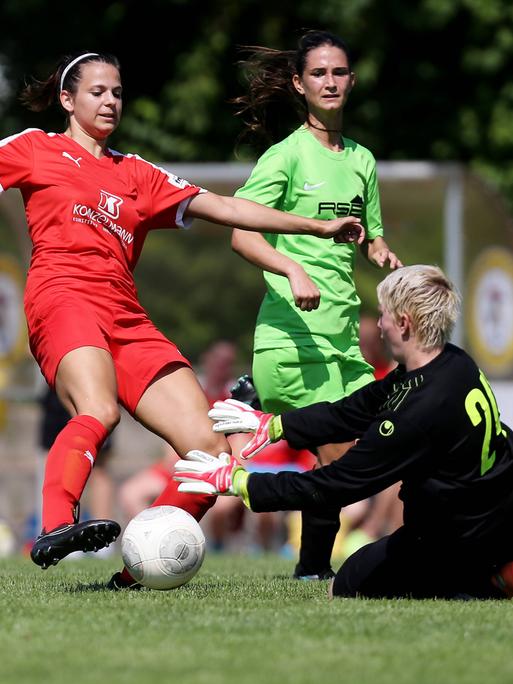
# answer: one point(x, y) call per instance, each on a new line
point(306, 340)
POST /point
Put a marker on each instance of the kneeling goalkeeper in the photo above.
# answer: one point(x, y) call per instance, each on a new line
point(432, 423)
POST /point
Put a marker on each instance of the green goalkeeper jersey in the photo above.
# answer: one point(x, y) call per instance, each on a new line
point(301, 176)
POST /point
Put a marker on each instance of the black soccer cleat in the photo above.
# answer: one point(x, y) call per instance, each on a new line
point(244, 390)
point(118, 583)
point(91, 535)
point(301, 574)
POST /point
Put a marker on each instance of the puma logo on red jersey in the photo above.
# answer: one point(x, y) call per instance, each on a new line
point(68, 156)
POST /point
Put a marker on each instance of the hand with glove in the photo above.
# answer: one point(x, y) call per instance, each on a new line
point(202, 473)
point(233, 416)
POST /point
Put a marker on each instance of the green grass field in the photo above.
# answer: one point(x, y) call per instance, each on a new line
point(240, 620)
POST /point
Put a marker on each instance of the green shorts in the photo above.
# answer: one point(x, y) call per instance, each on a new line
point(293, 377)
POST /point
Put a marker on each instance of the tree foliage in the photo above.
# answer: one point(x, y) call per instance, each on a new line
point(434, 82)
point(434, 76)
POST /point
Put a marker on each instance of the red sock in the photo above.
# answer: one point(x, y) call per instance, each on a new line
point(69, 464)
point(195, 504)
point(127, 576)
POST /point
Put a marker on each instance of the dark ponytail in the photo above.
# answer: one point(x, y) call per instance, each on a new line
point(39, 95)
point(270, 94)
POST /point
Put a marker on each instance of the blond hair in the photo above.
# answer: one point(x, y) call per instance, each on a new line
point(427, 296)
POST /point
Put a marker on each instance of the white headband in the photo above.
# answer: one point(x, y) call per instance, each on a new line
point(72, 64)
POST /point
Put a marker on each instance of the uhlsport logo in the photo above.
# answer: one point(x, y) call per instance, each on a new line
point(109, 204)
point(386, 428)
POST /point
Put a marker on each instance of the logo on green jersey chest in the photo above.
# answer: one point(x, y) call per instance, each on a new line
point(338, 209)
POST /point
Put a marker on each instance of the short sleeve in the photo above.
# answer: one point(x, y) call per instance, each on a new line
point(372, 208)
point(268, 181)
point(16, 160)
point(169, 197)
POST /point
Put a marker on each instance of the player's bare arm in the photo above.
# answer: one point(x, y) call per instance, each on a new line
point(248, 215)
point(254, 248)
point(379, 253)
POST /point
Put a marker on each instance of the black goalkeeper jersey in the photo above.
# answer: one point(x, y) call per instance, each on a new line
point(436, 429)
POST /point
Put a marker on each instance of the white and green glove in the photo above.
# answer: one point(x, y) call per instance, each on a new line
point(235, 416)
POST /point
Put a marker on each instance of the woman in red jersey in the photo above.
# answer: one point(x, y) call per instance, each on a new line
point(88, 210)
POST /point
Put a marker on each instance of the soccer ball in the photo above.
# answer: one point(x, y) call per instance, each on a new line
point(163, 547)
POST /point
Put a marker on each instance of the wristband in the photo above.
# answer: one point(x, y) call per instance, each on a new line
point(275, 429)
point(240, 478)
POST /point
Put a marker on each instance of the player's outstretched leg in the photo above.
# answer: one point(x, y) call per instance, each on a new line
point(91, 535)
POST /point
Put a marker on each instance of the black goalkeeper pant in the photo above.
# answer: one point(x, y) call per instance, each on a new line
point(404, 566)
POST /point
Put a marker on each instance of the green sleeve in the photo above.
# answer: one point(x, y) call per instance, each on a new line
point(268, 181)
point(372, 218)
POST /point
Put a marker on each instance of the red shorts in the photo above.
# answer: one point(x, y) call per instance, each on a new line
point(99, 315)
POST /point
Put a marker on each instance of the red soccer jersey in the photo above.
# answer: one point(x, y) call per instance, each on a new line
point(88, 217)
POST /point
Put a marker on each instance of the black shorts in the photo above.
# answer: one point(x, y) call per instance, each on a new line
point(404, 566)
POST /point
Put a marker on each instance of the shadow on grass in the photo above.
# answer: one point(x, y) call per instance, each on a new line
point(87, 588)
point(196, 588)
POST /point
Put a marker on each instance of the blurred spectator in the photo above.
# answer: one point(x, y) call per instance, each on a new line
point(7, 540)
point(217, 370)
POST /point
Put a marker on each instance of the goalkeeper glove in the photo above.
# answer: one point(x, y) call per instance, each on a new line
point(234, 416)
point(201, 473)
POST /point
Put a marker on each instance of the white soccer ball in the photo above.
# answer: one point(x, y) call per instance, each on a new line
point(163, 547)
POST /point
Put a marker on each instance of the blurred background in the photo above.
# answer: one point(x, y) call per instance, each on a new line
point(433, 102)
